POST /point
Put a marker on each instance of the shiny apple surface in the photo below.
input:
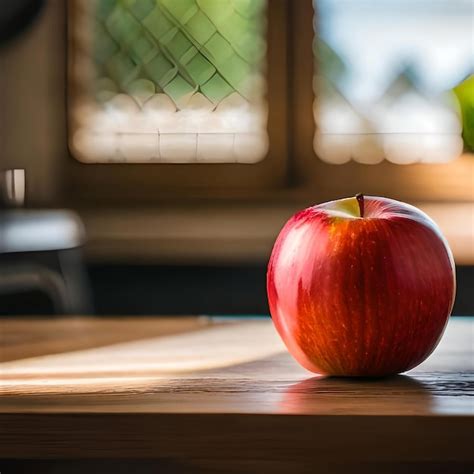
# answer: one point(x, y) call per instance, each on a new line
point(362, 286)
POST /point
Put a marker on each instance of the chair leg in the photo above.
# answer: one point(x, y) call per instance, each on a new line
point(76, 283)
point(24, 277)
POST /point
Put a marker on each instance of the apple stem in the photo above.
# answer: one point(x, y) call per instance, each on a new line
point(360, 201)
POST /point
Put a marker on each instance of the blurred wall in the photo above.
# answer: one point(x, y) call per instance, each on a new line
point(33, 117)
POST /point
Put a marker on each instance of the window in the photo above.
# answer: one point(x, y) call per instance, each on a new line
point(391, 80)
point(165, 81)
point(308, 99)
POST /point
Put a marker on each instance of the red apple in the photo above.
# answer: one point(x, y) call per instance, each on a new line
point(362, 286)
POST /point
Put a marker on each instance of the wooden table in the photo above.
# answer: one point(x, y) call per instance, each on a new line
point(217, 395)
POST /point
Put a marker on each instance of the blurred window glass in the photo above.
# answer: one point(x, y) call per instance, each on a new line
point(393, 80)
point(166, 81)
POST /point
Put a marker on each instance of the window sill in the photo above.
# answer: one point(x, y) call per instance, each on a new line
point(221, 233)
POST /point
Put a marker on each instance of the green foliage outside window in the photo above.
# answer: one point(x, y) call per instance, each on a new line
point(214, 47)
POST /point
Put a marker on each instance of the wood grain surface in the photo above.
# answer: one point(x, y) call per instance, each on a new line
point(223, 395)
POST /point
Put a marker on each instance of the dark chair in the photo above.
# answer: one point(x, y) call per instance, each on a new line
point(40, 250)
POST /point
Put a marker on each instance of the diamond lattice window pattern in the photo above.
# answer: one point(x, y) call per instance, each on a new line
point(168, 81)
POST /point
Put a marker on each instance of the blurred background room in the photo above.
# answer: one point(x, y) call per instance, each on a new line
point(151, 150)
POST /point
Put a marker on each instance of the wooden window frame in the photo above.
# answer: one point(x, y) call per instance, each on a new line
point(450, 182)
point(291, 168)
point(120, 184)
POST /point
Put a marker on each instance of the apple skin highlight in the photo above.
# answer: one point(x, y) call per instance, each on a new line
point(354, 295)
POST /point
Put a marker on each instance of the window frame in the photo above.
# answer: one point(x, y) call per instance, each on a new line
point(151, 182)
point(414, 182)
